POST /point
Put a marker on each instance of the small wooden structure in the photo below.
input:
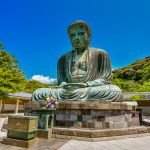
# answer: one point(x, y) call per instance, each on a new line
point(143, 103)
point(144, 106)
point(14, 103)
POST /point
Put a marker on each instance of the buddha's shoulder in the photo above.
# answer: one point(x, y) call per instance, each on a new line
point(92, 50)
point(66, 55)
point(97, 50)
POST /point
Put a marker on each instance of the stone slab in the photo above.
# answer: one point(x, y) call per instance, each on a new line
point(94, 105)
point(101, 138)
point(117, 125)
point(67, 117)
point(19, 143)
point(120, 118)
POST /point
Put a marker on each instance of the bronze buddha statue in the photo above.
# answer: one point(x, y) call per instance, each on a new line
point(84, 73)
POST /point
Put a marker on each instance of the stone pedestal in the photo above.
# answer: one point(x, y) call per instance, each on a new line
point(92, 120)
point(95, 115)
point(43, 120)
point(96, 120)
point(45, 115)
point(22, 127)
point(44, 134)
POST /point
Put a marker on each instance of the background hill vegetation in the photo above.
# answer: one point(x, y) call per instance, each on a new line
point(134, 77)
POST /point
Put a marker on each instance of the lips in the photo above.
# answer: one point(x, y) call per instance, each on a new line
point(77, 42)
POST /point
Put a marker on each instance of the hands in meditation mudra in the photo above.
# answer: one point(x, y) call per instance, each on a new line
point(84, 73)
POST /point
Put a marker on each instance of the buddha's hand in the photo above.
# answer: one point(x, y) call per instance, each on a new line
point(73, 86)
point(58, 87)
point(63, 84)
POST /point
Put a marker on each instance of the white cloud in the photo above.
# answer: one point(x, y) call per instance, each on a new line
point(44, 79)
point(114, 68)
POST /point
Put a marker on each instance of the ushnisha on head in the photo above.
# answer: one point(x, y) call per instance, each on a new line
point(80, 34)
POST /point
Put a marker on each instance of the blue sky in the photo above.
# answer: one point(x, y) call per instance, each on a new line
point(35, 31)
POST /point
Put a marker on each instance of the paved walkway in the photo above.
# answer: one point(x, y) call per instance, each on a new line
point(139, 143)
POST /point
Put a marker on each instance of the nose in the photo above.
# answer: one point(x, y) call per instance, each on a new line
point(76, 35)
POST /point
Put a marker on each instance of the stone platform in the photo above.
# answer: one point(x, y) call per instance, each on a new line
point(95, 115)
point(20, 143)
point(93, 135)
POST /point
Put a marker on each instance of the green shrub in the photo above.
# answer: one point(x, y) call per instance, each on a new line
point(137, 97)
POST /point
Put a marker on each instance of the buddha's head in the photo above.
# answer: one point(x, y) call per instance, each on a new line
point(80, 34)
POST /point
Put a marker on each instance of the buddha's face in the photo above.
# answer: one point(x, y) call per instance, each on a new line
point(79, 37)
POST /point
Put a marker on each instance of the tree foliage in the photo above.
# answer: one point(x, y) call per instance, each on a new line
point(1, 44)
point(12, 78)
point(137, 97)
point(32, 85)
point(135, 77)
point(127, 85)
point(3, 95)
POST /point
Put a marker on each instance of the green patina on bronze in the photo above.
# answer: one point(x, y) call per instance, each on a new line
point(21, 135)
point(22, 127)
point(84, 73)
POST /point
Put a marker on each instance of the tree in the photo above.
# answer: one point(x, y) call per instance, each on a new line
point(127, 85)
point(145, 87)
point(1, 44)
point(32, 85)
point(11, 76)
point(137, 97)
point(3, 95)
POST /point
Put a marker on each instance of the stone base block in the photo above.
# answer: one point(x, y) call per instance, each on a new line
point(45, 134)
point(134, 119)
point(96, 115)
point(19, 143)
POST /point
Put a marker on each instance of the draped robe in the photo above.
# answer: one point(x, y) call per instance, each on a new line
point(94, 70)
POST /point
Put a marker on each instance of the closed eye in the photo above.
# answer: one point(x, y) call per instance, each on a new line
point(73, 34)
point(81, 33)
